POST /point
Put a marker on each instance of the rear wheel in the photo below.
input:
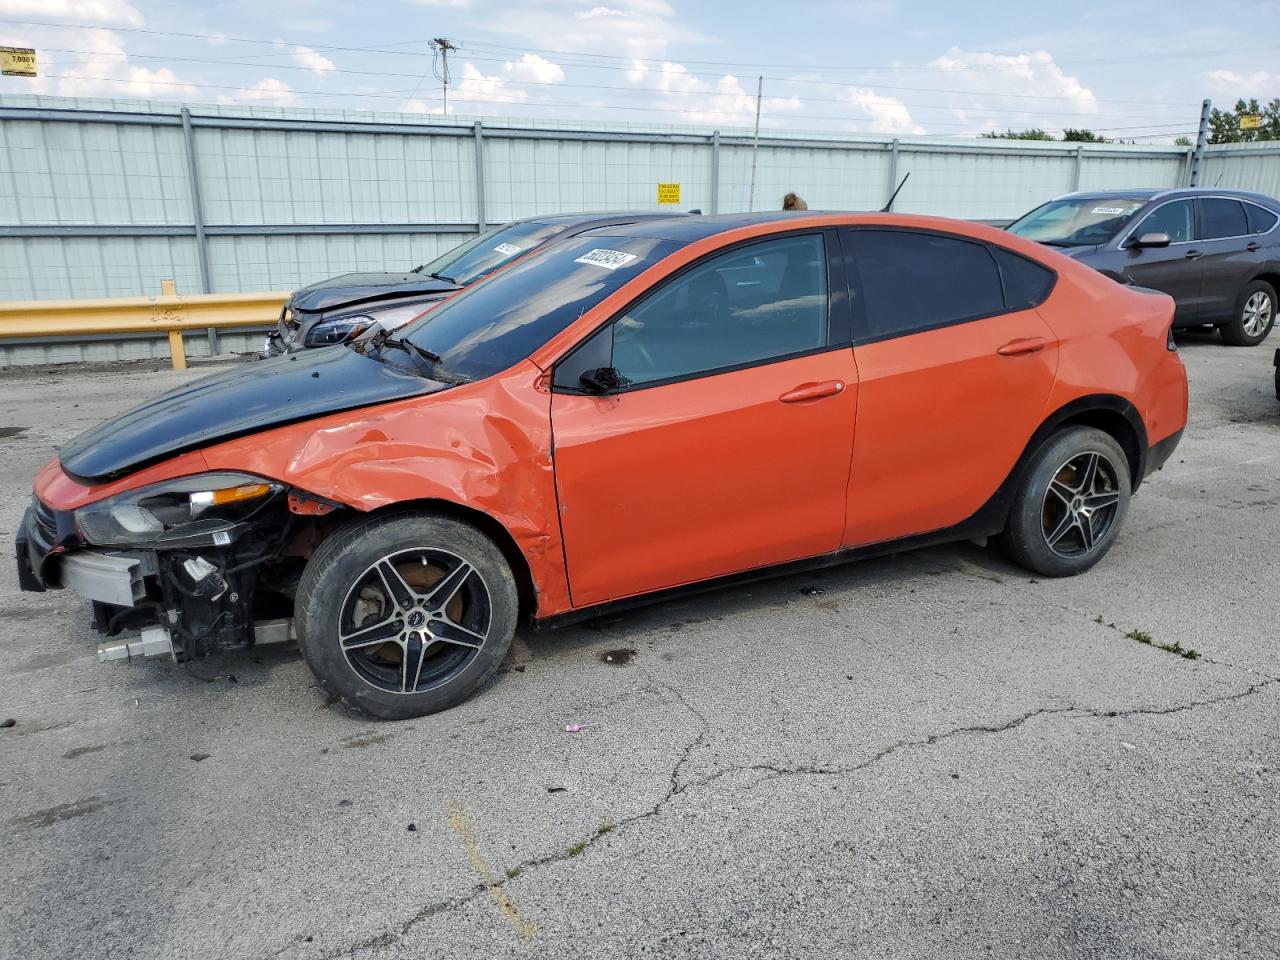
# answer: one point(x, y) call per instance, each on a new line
point(1072, 502)
point(405, 615)
point(1255, 315)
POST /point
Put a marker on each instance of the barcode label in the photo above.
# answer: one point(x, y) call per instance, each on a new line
point(609, 259)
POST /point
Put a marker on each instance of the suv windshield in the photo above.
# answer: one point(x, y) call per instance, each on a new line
point(501, 321)
point(1077, 222)
point(467, 263)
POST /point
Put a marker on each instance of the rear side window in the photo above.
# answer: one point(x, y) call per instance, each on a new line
point(1220, 217)
point(1260, 220)
point(916, 281)
point(1173, 218)
point(1026, 283)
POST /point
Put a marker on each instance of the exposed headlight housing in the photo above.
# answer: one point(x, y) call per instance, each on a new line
point(342, 329)
point(202, 510)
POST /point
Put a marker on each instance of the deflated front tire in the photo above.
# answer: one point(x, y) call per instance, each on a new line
point(407, 614)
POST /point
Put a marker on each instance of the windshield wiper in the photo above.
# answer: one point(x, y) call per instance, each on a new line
point(420, 351)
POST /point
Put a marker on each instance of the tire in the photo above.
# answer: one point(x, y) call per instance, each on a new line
point(1254, 318)
point(1053, 501)
point(408, 589)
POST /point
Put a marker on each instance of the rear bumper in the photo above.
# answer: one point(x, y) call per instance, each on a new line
point(1159, 453)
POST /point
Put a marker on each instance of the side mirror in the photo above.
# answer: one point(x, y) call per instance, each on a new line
point(1151, 240)
point(602, 379)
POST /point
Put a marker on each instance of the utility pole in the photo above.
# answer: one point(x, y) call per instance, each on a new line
point(442, 47)
point(755, 147)
point(1198, 157)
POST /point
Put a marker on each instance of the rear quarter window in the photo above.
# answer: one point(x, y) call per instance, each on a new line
point(1026, 283)
point(1260, 219)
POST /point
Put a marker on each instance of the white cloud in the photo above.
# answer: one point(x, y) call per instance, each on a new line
point(887, 114)
point(693, 99)
point(268, 90)
point(483, 90)
point(1259, 83)
point(981, 83)
point(633, 28)
point(533, 68)
point(92, 11)
point(102, 70)
point(311, 59)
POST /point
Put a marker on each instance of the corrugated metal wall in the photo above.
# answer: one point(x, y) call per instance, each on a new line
point(96, 197)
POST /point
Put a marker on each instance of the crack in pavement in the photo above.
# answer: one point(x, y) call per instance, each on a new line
point(676, 788)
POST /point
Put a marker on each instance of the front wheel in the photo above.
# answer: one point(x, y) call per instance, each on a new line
point(404, 615)
point(1255, 315)
point(1071, 504)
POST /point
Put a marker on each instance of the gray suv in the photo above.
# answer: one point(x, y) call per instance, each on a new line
point(1216, 252)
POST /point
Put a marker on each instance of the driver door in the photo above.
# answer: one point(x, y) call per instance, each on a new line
point(1176, 269)
point(725, 444)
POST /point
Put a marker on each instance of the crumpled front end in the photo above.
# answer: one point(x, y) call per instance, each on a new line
point(196, 564)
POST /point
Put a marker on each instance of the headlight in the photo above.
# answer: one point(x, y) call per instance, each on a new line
point(342, 329)
point(191, 511)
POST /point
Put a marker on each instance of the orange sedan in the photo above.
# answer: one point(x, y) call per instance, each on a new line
point(642, 409)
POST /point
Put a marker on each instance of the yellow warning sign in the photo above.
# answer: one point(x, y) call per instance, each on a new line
point(668, 193)
point(1250, 121)
point(17, 62)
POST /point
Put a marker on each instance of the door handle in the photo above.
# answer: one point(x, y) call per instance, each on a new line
point(1016, 348)
point(1253, 245)
point(1193, 254)
point(813, 391)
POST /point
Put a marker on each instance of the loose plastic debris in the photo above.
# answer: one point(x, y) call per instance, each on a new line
point(577, 727)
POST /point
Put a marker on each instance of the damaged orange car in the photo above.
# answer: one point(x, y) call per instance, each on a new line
point(638, 410)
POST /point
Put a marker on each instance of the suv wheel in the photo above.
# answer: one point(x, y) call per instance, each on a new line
point(405, 615)
point(1071, 504)
point(1255, 315)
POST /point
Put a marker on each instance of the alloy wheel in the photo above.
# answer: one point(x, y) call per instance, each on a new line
point(414, 620)
point(1257, 314)
point(1080, 504)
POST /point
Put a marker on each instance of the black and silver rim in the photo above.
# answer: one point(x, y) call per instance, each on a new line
point(1257, 314)
point(1080, 505)
point(414, 620)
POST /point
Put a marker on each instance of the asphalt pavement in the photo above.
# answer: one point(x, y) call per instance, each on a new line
point(929, 755)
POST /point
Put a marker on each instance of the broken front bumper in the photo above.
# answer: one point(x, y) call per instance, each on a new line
point(186, 603)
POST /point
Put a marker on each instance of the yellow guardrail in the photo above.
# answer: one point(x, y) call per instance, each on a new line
point(169, 313)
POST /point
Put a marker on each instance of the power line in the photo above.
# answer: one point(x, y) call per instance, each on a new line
point(986, 110)
point(611, 62)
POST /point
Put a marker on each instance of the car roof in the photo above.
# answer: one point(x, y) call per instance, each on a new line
point(603, 219)
point(1162, 193)
point(689, 229)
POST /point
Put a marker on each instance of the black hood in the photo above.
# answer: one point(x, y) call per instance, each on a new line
point(1081, 253)
point(245, 399)
point(351, 289)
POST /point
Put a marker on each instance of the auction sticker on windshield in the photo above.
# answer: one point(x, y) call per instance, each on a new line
point(609, 259)
point(1111, 211)
point(507, 249)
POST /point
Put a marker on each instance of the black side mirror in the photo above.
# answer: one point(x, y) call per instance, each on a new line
point(1151, 240)
point(602, 379)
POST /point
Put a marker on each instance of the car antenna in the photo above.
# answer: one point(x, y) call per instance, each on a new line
point(889, 206)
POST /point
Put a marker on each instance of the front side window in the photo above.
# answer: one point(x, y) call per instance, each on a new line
point(1173, 218)
point(1077, 222)
point(1221, 218)
point(753, 304)
point(917, 281)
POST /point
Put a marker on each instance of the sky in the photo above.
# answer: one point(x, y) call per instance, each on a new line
point(1130, 70)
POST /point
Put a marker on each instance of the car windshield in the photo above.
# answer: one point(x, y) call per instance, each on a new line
point(468, 262)
point(1077, 222)
point(501, 321)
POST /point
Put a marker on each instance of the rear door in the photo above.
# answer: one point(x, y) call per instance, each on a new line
point(1230, 255)
point(1176, 269)
point(955, 367)
point(725, 444)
